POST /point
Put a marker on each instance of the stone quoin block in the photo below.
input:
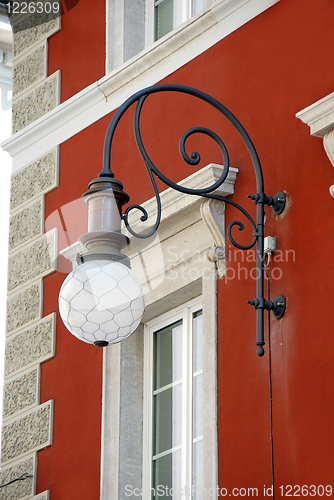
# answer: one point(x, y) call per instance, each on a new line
point(42, 496)
point(26, 224)
point(33, 261)
point(20, 489)
point(21, 393)
point(24, 306)
point(30, 432)
point(29, 31)
point(33, 345)
point(38, 177)
point(30, 70)
point(36, 103)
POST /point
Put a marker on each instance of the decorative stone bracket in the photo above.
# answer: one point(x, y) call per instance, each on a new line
point(213, 214)
point(320, 118)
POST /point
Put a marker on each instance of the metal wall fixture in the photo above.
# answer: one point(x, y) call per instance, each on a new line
point(101, 301)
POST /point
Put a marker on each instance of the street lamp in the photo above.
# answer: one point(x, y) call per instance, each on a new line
point(101, 301)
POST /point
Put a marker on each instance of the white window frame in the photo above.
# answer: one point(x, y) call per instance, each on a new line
point(184, 312)
point(186, 14)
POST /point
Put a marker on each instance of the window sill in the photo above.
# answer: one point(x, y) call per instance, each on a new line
point(183, 44)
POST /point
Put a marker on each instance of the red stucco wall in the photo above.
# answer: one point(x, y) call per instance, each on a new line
point(78, 49)
point(265, 73)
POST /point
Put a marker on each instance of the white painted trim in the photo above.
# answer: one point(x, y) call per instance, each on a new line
point(71, 252)
point(183, 312)
point(187, 398)
point(56, 126)
point(114, 34)
point(42, 496)
point(319, 116)
point(147, 411)
point(110, 427)
point(149, 22)
point(149, 67)
point(210, 437)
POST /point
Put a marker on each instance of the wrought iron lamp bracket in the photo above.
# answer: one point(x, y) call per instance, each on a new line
point(277, 202)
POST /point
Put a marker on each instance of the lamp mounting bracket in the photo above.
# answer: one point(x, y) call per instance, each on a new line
point(277, 202)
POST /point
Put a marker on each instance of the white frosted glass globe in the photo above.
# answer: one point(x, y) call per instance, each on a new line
point(101, 302)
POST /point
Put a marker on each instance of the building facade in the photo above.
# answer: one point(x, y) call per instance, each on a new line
point(6, 44)
point(184, 403)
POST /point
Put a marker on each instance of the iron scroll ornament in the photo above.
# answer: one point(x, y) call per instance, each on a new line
point(277, 202)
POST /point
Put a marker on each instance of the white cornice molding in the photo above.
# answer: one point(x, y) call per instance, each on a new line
point(55, 127)
point(320, 118)
point(149, 67)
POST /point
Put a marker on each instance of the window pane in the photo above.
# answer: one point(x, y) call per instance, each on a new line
point(167, 388)
point(163, 17)
point(167, 475)
point(167, 352)
point(167, 410)
point(167, 432)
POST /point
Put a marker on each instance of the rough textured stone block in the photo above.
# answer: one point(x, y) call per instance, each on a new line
point(33, 261)
point(36, 178)
point(30, 70)
point(24, 306)
point(26, 224)
point(21, 393)
point(36, 103)
point(28, 433)
point(42, 496)
point(19, 489)
point(29, 31)
point(33, 345)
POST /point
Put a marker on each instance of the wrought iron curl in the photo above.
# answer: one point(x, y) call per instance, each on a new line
point(193, 159)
